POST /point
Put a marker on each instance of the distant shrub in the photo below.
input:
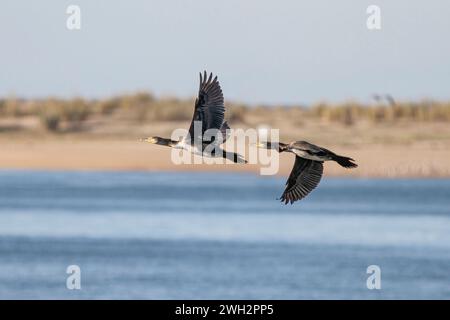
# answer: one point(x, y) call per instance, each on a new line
point(140, 105)
point(237, 113)
point(50, 115)
point(107, 106)
point(51, 121)
point(75, 111)
point(11, 107)
point(171, 109)
point(2, 107)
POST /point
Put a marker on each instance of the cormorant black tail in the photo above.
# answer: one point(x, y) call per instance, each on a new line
point(346, 162)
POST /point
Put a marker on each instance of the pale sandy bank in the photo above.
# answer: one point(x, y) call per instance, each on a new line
point(374, 160)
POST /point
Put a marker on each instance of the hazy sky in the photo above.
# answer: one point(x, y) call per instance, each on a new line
point(263, 51)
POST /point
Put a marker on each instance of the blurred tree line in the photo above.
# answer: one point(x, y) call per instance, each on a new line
point(144, 107)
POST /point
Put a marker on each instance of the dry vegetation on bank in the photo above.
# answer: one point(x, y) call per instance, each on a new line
point(402, 139)
point(60, 115)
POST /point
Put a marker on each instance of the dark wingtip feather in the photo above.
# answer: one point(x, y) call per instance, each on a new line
point(284, 199)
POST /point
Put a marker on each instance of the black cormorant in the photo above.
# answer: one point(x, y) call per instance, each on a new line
point(209, 113)
point(308, 167)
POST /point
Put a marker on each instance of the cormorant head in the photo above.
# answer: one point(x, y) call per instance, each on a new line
point(153, 140)
point(160, 141)
point(267, 145)
point(279, 146)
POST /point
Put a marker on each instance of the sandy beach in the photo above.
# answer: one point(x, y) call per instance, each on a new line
point(81, 135)
point(419, 160)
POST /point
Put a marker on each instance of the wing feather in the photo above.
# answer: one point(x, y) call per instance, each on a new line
point(304, 177)
point(209, 106)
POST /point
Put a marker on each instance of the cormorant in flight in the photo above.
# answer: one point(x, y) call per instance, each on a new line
point(209, 113)
point(308, 167)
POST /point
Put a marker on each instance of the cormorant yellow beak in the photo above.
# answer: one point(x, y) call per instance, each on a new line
point(261, 145)
point(149, 140)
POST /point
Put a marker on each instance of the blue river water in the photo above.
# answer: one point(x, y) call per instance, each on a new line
point(139, 235)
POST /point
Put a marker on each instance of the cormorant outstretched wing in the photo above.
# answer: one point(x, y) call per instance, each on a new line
point(304, 177)
point(209, 106)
